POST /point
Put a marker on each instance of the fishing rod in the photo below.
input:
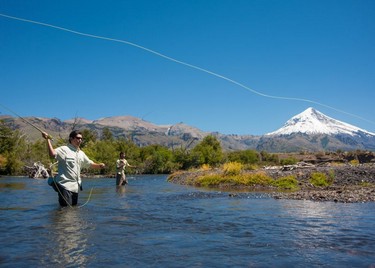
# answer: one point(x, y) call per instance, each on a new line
point(26, 121)
point(48, 137)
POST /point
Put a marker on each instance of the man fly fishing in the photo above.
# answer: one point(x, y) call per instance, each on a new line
point(70, 162)
point(121, 164)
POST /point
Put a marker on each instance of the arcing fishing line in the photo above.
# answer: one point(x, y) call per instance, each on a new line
point(60, 193)
point(186, 64)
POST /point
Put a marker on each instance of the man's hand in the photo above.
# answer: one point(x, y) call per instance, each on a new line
point(46, 136)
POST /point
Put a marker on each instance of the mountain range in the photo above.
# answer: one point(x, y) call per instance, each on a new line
point(309, 131)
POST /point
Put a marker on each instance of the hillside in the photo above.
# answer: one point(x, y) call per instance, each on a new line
point(309, 131)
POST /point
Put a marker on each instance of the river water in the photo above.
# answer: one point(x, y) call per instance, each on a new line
point(153, 223)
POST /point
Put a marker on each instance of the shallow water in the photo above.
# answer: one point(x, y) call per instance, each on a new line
point(153, 223)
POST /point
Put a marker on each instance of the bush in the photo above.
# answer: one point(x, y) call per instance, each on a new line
point(205, 167)
point(212, 180)
point(244, 157)
point(232, 168)
point(288, 182)
point(246, 180)
point(288, 161)
point(320, 179)
point(251, 167)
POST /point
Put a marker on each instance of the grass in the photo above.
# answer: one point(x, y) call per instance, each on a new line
point(250, 179)
point(321, 180)
point(287, 183)
point(232, 168)
point(233, 174)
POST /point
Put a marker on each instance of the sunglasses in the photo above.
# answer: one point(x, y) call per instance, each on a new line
point(79, 138)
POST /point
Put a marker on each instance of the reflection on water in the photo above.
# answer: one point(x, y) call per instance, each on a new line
point(325, 227)
point(12, 186)
point(68, 239)
point(120, 190)
point(152, 223)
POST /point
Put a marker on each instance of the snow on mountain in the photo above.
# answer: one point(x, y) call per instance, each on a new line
point(312, 121)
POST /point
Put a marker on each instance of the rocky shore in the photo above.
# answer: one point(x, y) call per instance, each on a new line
point(351, 183)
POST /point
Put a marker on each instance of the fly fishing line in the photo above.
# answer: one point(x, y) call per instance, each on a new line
point(185, 64)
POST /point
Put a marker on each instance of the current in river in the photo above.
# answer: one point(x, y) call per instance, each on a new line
point(154, 223)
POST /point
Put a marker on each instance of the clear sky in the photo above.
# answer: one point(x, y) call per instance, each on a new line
point(322, 51)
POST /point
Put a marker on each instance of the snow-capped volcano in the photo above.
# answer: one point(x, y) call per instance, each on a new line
point(312, 121)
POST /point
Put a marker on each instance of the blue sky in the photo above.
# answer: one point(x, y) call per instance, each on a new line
point(319, 50)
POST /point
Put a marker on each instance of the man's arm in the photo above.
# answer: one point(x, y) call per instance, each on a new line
point(51, 151)
point(98, 165)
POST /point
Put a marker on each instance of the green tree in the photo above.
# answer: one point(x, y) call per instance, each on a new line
point(182, 158)
point(89, 136)
point(102, 152)
point(107, 134)
point(12, 150)
point(244, 157)
point(131, 150)
point(269, 158)
point(157, 159)
point(208, 151)
point(132, 153)
point(37, 151)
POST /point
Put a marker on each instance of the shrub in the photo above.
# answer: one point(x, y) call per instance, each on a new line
point(212, 180)
point(288, 182)
point(251, 167)
point(354, 162)
point(247, 179)
point(288, 161)
point(320, 179)
point(205, 167)
point(232, 168)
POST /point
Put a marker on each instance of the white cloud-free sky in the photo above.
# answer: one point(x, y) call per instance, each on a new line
point(311, 53)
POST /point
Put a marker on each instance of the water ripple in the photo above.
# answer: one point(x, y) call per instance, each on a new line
point(152, 223)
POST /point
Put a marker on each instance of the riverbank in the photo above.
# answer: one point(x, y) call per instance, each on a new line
point(350, 183)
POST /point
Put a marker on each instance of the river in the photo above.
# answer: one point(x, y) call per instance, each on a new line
point(154, 223)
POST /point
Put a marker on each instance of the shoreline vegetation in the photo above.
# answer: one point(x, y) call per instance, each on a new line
point(345, 183)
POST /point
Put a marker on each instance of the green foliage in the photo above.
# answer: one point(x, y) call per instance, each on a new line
point(213, 180)
point(184, 159)
point(16, 152)
point(157, 159)
point(288, 161)
point(232, 168)
point(208, 151)
point(12, 150)
point(37, 151)
point(102, 152)
point(8, 138)
point(13, 164)
point(320, 179)
point(107, 134)
point(244, 157)
point(258, 178)
point(288, 183)
point(253, 179)
point(269, 158)
point(89, 137)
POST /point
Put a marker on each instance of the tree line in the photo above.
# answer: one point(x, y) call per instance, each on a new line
point(16, 152)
